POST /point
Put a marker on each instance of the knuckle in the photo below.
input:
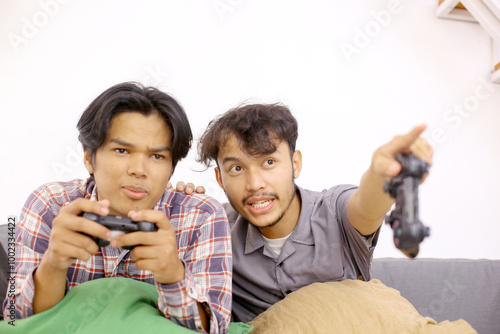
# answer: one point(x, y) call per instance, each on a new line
point(56, 250)
point(163, 264)
point(83, 255)
point(90, 245)
point(77, 225)
point(79, 202)
point(55, 225)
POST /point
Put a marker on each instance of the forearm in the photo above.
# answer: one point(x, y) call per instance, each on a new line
point(199, 317)
point(205, 290)
point(50, 287)
point(369, 203)
point(181, 303)
point(195, 305)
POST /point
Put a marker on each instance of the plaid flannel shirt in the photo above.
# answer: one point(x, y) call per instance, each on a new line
point(203, 243)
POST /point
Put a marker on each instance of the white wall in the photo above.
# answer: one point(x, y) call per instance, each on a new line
point(57, 56)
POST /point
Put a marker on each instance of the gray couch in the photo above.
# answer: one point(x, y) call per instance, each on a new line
point(443, 289)
point(447, 289)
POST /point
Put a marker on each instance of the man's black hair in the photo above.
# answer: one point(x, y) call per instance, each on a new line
point(134, 97)
point(259, 128)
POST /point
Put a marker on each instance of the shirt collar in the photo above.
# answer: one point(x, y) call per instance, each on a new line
point(91, 190)
point(302, 233)
point(254, 238)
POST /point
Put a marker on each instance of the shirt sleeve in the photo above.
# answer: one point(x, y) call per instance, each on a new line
point(32, 237)
point(359, 247)
point(208, 266)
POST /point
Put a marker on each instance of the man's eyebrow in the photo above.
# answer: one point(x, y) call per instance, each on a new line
point(125, 143)
point(121, 142)
point(230, 159)
point(159, 149)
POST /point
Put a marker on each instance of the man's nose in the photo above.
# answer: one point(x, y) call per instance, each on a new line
point(137, 165)
point(255, 181)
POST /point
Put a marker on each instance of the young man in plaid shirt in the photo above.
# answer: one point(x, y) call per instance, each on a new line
point(132, 137)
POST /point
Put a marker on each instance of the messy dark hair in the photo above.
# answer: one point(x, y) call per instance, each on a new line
point(259, 128)
point(134, 97)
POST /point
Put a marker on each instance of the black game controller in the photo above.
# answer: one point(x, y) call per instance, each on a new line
point(120, 224)
point(408, 229)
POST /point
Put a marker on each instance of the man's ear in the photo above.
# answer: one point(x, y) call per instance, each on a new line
point(87, 161)
point(297, 163)
point(218, 177)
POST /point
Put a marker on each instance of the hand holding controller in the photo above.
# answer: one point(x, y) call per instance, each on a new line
point(118, 226)
point(404, 221)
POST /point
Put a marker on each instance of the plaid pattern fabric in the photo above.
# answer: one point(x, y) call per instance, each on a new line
point(203, 242)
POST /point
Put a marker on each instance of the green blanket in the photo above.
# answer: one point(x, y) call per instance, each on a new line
point(106, 305)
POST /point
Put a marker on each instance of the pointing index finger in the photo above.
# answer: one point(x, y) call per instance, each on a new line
point(403, 142)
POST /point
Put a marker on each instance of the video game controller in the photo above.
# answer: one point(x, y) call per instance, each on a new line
point(408, 229)
point(118, 226)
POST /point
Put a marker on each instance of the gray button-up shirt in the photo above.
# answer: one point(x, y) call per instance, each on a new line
point(323, 247)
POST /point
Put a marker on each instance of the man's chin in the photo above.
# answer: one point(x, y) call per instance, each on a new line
point(123, 210)
point(264, 223)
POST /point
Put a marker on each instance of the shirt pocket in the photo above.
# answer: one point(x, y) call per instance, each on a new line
point(317, 264)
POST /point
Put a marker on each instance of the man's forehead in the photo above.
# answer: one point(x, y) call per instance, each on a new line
point(234, 149)
point(134, 127)
point(230, 145)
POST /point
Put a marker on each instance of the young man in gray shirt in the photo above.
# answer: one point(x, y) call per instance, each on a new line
point(285, 237)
